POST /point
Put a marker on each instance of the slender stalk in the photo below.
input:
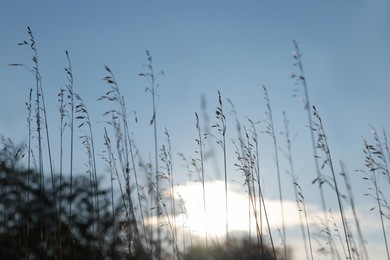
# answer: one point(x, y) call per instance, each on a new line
point(348, 185)
point(270, 130)
point(200, 143)
point(107, 143)
point(222, 131)
point(153, 91)
point(299, 199)
point(70, 95)
point(39, 107)
point(82, 114)
point(166, 157)
point(261, 200)
point(123, 146)
point(322, 143)
point(39, 125)
point(115, 172)
point(62, 129)
point(29, 120)
point(372, 165)
point(246, 165)
point(301, 79)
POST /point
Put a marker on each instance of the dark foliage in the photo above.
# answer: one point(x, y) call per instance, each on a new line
point(31, 227)
point(239, 249)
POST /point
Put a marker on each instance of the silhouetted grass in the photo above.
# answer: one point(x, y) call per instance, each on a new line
point(141, 213)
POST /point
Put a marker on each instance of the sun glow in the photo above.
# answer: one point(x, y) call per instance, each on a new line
point(214, 219)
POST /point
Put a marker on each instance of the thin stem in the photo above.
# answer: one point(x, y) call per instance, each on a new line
point(322, 143)
point(69, 87)
point(222, 130)
point(301, 79)
point(153, 91)
point(200, 151)
point(348, 185)
point(371, 164)
point(270, 130)
point(296, 192)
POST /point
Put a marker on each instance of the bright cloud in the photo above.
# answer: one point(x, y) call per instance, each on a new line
point(238, 209)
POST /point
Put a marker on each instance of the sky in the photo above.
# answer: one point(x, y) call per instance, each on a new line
point(203, 47)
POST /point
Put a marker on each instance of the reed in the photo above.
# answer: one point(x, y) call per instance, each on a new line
point(300, 79)
point(221, 128)
point(200, 142)
point(125, 156)
point(299, 198)
point(322, 144)
point(373, 158)
point(152, 88)
point(271, 131)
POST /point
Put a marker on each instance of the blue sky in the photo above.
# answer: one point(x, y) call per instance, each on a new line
point(205, 46)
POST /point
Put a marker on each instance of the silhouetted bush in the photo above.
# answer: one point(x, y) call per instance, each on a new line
point(239, 249)
point(34, 221)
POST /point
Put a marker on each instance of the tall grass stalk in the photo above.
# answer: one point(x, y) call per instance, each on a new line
point(39, 108)
point(152, 88)
point(29, 151)
point(129, 223)
point(261, 197)
point(247, 163)
point(70, 95)
point(271, 131)
point(221, 128)
point(166, 158)
point(302, 208)
point(185, 224)
point(256, 177)
point(200, 143)
point(111, 166)
point(83, 115)
point(345, 175)
point(337, 233)
point(63, 125)
point(375, 168)
point(301, 80)
point(322, 144)
point(123, 149)
point(299, 198)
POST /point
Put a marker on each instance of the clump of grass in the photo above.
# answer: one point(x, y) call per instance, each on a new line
point(322, 144)
point(125, 154)
point(261, 200)
point(247, 157)
point(375, 163)
point(41, 120)
point(89, 144)
point(166, 158)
